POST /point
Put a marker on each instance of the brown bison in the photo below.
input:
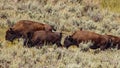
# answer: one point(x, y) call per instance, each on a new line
point(43, 37)
point(99, 41)
point(22, 27)
point(115, 41)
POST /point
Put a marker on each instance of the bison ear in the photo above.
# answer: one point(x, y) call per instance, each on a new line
point(69, 36)
point(11, 30)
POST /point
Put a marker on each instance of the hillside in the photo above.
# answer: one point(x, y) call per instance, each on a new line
point(66, 16)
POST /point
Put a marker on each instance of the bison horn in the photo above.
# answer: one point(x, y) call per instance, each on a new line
point(10, 29)
point(69, 36)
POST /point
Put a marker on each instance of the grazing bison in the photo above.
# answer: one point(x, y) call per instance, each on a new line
point(99, 41)
point(22, 27)
point(41, 37)
point(115, 41)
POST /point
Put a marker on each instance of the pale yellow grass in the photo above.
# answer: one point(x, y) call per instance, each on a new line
point(66, 16)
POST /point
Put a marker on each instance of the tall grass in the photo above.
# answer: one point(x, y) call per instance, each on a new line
point(112, 5)
point(66, 16)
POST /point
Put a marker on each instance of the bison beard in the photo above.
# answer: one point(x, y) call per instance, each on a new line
point(22, 27)
point(40, 37)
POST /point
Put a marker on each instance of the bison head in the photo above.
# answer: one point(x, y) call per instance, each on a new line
point(11, 35)
point(69, 41)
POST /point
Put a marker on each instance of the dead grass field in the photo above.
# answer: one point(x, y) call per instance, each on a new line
point(66, 16)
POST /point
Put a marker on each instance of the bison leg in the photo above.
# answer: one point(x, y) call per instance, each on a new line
point(118, 46)
point(113, 45)
point(102, 47)
point(58, 44)
point(40, 43)
point(25, 42)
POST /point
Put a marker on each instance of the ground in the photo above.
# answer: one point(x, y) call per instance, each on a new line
point(66, 16)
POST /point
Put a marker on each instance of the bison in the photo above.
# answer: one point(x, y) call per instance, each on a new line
point(41, 37)
point(115, 41)
point(22, 27)
point(99, 41)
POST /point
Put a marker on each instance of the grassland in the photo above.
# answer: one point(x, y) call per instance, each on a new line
point(112, 5)
point(66, 16)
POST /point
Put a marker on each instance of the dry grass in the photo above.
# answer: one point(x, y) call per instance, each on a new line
point(67, 16)
point(113, 5)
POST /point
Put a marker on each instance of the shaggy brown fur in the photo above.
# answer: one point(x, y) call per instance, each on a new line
point(41, 37)
point(83, 36)
point(22, 27)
